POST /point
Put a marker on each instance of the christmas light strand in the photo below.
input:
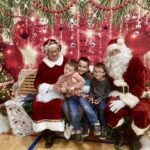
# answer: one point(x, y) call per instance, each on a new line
point(4, 84)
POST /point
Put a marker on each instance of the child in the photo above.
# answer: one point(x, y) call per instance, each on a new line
point(75, 99)
point(70, 83)
point(99, 90)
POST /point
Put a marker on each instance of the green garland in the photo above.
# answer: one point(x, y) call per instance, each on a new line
point(26, 8)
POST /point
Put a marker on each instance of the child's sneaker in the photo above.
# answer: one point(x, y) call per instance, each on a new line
point(73, 132)
point(78, 135)
point(86, 132)
point(68, 131)
point(103, 134)
point(97, 129)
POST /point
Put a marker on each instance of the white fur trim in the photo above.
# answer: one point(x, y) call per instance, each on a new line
point(4, 124)
point(48, 96)
point(114, 93)
point(46, 93)
point(137, 130)
point(120, 82)
point(128, 98)
point(145, 142)
point(54, 126)
point(45, 85)
point(51, 64)
point(44, 88)
point(112, 47)
point(120, 122)
point(119, 46)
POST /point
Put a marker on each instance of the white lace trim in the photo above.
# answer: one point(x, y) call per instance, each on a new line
point(53, 126)
point(51, 64)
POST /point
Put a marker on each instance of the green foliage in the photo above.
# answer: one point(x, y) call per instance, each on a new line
point(26, 8)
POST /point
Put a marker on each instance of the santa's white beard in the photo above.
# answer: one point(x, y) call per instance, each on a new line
point(117, 65)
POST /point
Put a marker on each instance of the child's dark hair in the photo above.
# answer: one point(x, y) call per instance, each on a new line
point(73, 63)
point(85, 59)
point(100, 65)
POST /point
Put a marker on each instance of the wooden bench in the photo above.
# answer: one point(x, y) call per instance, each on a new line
point(27, 86)
point(26, 82)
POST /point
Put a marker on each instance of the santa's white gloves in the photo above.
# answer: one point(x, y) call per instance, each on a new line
point(44, 88)
point(115, 106)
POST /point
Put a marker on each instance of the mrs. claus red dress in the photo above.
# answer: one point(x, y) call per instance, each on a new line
point(48, 114)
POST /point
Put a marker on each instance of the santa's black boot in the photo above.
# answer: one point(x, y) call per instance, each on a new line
point(133, 140)
point(119, 134)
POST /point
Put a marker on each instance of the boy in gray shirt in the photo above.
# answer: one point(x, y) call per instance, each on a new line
point(99, 90)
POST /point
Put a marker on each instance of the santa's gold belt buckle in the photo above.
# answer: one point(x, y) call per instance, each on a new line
point(123, 89)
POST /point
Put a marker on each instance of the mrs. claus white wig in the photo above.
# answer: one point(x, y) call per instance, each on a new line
point(51, 43)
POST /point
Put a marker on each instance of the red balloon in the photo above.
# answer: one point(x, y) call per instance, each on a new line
point(138, 41)
point(12, 57)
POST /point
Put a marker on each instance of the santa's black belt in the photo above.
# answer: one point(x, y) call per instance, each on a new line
point(122, 89)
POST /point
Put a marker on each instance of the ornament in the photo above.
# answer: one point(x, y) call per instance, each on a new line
point(92, 44)
point(60, 28)
point(34, 35)
point(138, 41)
point(12, 57)
point(127, 17)
point(73, 44)
point(43, 21)
point(105, 26)
point(23, 32)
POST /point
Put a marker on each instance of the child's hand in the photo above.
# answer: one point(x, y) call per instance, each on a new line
point(57, 87)
point(63, 90)
point(96, 101)
point(90, 99)
point(71, 89)
point(78, 93)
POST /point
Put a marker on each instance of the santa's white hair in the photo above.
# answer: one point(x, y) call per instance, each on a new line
point(116, 65)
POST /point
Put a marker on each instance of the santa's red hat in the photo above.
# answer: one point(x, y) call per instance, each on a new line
point(116, 44)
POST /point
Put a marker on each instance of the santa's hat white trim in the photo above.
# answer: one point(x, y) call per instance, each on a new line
point(128, 98)
point(51, 64)
point(137, 130)
point(120, 45)
point(53, 126)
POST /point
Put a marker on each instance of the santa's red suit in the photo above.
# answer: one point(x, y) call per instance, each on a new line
point(136, 107)
point(47, 112)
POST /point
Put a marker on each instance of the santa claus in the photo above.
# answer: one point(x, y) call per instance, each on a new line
point(128, 77)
